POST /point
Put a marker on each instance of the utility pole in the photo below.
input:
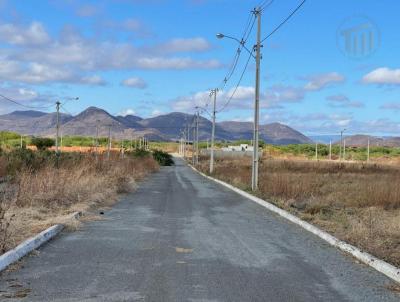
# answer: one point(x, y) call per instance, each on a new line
point(254, 178)
point(197, 137)
point(58, 103)
point(122, 148)
point(344, 149)
point(184, 144)
point(109, 143)
point(316, 151)
point(21, 142)
point(368, 150)
point(330, 150)
point(193, 142)
point(214, 92)
point(188, 139)
point(341, 143)
point(97, 138)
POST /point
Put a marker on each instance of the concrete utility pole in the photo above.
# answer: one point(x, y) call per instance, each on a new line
point(213, 92)
point(97, 138)
point(197, 137)
point(109, 143)
point(341, 144)
point(368, 150)
point(330, 150)
point(184, 144)
point(316, 151)
point(21, 142)
point(344, 149)
point(193, 146)
point(122, 148)
point(188, 139)
point(58, 103)
point(254, 178)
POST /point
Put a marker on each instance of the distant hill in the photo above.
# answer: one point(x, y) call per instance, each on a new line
point(164, 127)
point(274, 133)
point(362, 141)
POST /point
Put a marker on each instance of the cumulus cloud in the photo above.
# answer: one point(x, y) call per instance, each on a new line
point(25, 96)
point(320, 81)
point(128, 111)
point(382, 76)
point(134, 82)
point(34, 57)
point(186, 45)
point(391, 106)
point(34, 34)
point(95, 80)
point(342, 101)
point(156, 112)
point(241, 97)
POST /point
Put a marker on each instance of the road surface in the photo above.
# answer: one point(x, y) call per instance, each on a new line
point(181, 237)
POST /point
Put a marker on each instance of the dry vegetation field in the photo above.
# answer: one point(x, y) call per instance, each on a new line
point(357, 202)
point(35, 194)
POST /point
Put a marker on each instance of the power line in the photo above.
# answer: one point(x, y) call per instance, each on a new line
point(265, 4)
point(26, 106)
point(237, 85)
point(284, 21)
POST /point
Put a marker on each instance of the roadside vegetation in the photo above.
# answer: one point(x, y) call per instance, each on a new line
point(38, 189)
point(357, 202)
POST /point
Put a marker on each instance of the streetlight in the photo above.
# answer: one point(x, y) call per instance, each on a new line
point(58, 104)
point(257, 57)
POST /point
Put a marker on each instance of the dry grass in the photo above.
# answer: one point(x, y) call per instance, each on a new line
point(43, 197)
point(357, 202)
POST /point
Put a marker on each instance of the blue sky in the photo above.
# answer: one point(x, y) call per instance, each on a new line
point(157, 56)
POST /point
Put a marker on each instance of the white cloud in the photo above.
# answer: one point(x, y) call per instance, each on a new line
point(134, 82)
point(342, 101)
point(320, 81)
point(94, 80)
point(391, 106)
point(156, 112)
point(243, 98)
point(383, 75)
point(186, 45)
point(33, 57)
point(34, 34)
point(128, 111)
point(25, 96)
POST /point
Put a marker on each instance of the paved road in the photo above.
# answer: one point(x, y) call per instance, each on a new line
point(181, 237)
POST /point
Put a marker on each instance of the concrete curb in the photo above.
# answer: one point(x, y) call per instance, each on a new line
point(32, 243)
point(385, 268)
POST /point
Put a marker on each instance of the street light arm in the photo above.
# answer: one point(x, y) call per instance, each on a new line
point(241, 42)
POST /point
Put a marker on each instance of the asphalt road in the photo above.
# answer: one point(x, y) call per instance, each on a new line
point(181, 237)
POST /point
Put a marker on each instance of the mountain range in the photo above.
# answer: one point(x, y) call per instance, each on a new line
point(164, 127)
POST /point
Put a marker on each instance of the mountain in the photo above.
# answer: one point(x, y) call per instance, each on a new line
point(164, 127)
point(24, 114)
point(274, 133)
point(31, 122)
point(325, 139)
point(130, 121)
point(359, 140)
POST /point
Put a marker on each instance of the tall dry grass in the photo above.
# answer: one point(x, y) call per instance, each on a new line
point(41, 196)
point(357, 202)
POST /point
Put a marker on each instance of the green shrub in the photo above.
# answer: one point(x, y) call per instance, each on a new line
point(140, 153)
point(163, 158)
point(42, 143)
